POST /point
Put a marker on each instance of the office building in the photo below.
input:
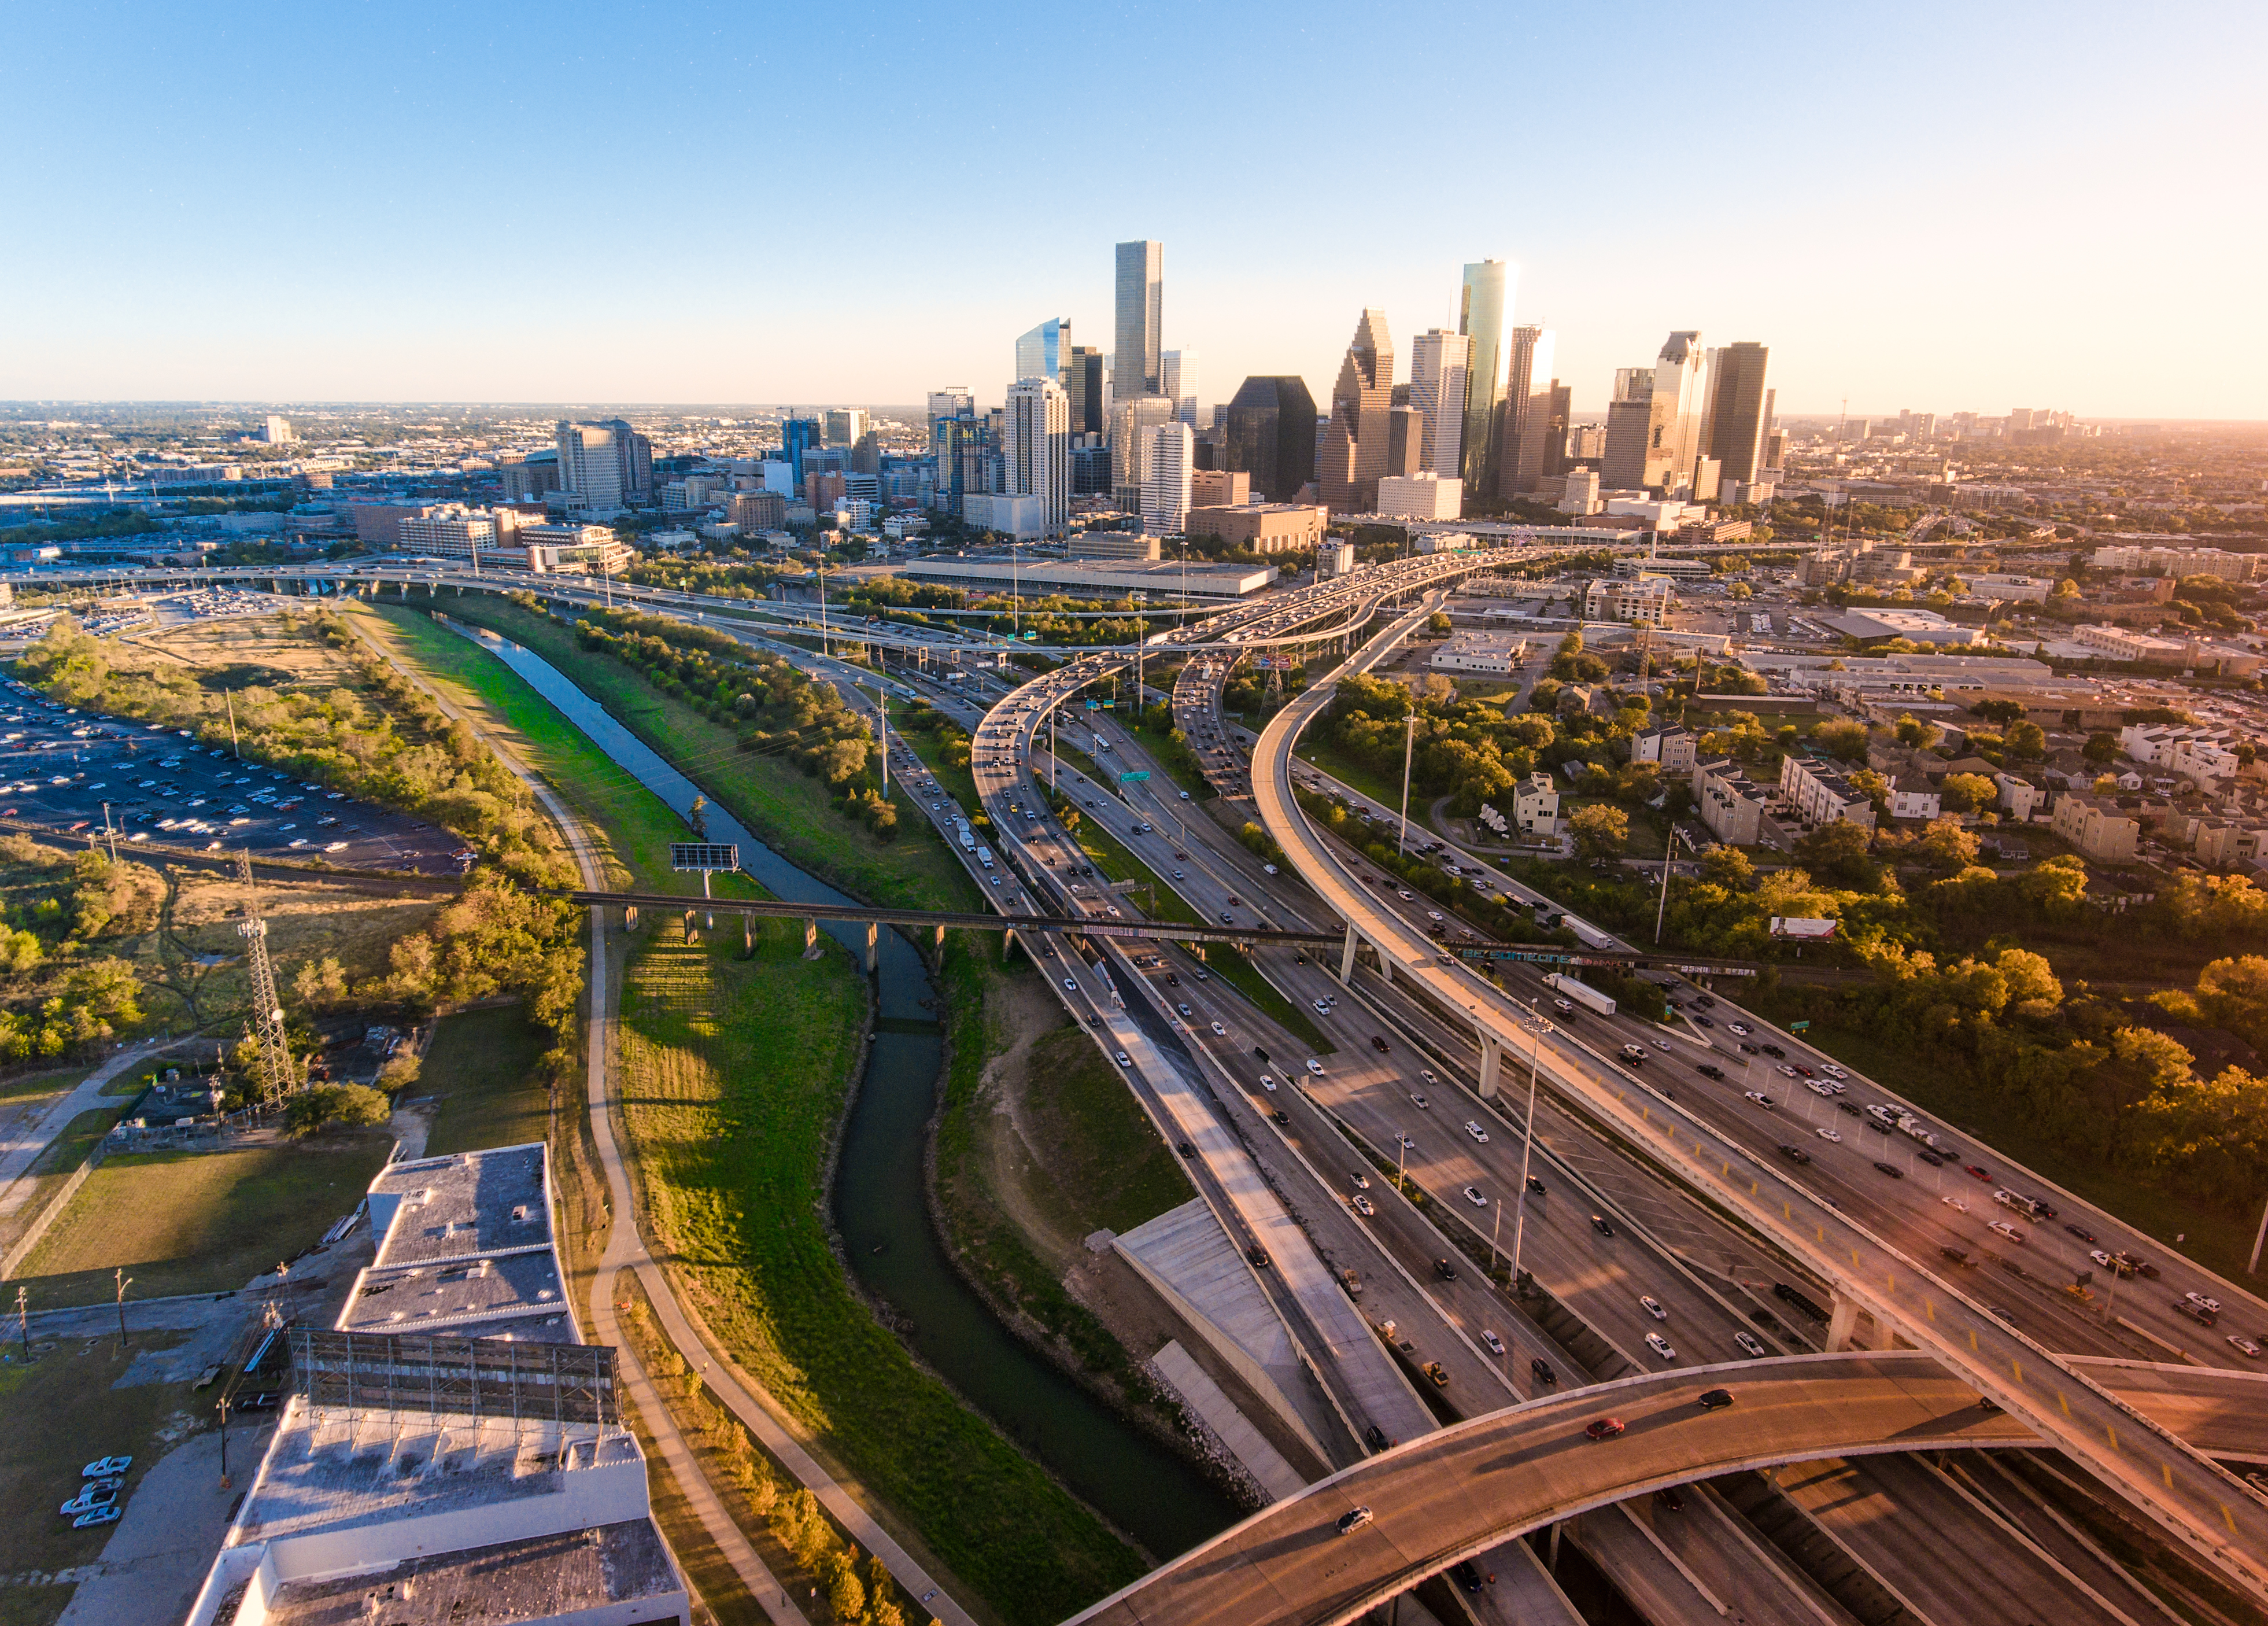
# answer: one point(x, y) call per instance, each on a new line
point(845, 425)
point(1405, 442)
point(609, 465)
point(1114, 545)
point(1647, 599)
point(966, 462)
point(1018, 517)
point(1495, 654)
point(954, 401)
point(1622, 463)
point(1737, 413)
point(1219, 488)
point(1090, 465)
point(1131, 419)
point(1035, 448)
point(1558, 442)
point(1526, 414)
point(758, 511)
point(1673, 415)
point(1177, 381)
point(1484, 306)
point(1137, 363)
point(451, 532)
point(1421, 495)
point(1438, 363)
point(1582, 495)
point(799, 437)
point(1171, 461)
point(276, 431)
point(1268, 432)
point(1355, 441)
point(1082, 381)
point(1262, 527)
point(1163, 580)
point(1042, 352)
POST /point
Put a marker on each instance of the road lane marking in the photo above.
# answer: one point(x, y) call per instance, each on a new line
point(2063, 1402)
point(2017, 1371)
point(1972, 1341)
point(2113, 1433)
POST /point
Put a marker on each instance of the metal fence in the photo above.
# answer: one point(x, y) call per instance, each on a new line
point(496, 1377)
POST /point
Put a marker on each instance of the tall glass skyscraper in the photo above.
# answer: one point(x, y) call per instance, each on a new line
point(1439, 362)
point(1042, 352)
point(1141, 304)
point(798, 436)
point(1082, 381)
point(1484, 306)
point(1177, 381)
point(1270, 435)
point(1738, 416)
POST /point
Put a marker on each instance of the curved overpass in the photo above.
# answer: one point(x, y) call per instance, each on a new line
point(1465, 1489)
point(2188, 1495)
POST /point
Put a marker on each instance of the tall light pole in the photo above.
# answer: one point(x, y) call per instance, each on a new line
point(1537, 1028)
point(1409, 750)
point(1668, 851)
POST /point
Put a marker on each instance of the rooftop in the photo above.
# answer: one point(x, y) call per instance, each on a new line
point(523, 1580)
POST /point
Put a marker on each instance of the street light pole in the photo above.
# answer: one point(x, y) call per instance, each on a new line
point(1668, 851)
point(124, 1282)
point(1408, 748)
point(1535, 1032)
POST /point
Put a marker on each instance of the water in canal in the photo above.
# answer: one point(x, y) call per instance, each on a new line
point(1141, 1486)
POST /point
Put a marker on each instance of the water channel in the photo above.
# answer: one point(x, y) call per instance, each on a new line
point(1145, 1489)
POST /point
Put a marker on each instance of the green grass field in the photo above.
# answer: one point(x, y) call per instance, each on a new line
point(199, 1221)
point(1386, 790)
point(790, 809)
point(483, 1066)
point(734, 1073)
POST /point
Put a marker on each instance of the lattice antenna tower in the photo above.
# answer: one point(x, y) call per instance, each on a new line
point(267, 1024)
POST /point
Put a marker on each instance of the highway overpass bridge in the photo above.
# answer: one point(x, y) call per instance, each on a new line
point(1464, 1489)
point(2191, 1498)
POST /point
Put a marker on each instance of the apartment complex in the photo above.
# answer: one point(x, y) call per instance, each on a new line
point(1730, 804)
point(1820, 795)
point(2096, 826)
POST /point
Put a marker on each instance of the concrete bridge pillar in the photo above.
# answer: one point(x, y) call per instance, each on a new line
point(811, 940)
point(691, 935)
point(747, 935)
point(1008, 943)
point(1491, 1064)
point(630, 917)
point(1842, 1322)
point(939, 946)
point(1346, 954)
point(873, 947)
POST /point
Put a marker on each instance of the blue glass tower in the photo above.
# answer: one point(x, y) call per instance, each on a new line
point(798, 435)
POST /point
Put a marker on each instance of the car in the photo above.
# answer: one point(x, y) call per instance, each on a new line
point(1426, 1073)
point(1794, 1153)
point(2244, 1346)
point(1378, 1043)
point(1709, 1070)
point(2212, 1304)
point(1268, 1082)
point(1226, 919)
point(1405, 1143)
point(1185, 1148)
point(1634, 1053)
point(1480, 1135)
point(95, 1516)
point(1536, 1186)
point(1494, 1345)
point(1361, 1180)
point(1652, 1305)
point(1071, 986)
point(1314, 1066)
point(2080, 1231)
point(1566, 1008)
point(1322, 1010)
point(105, 1468)
point(1406, 898)
point(1741, 1028)
point(1219, 1030)
point(1258, 1255)
point(1419, 1101)
point(2008, 1230)
point(1473, 1196)
point(1184, 1010)
point(1433, 914)
point(1715, 1400)
point(1540, 1369)
point(1604, 1427)
point(90, 1497)
point(1659, 1345)
point(1890, 1168)
point(1760, 1098)
point(1746, 1049)
point(1751, 1345)
point(1832, 1071)
point(1124, 1059)
point(1599, 1223)
point(1827, 1131)
point(1775, 1052)
point(1353, 1519)
point(2196, 1313)
point(1852, 1107)
point(1364, 1206)
point(1786, 1072)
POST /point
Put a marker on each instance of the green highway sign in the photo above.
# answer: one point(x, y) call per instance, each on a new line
point(1143, 774)
point(1797, 1027)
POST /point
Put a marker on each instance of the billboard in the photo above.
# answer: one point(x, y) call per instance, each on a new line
point(685, 856)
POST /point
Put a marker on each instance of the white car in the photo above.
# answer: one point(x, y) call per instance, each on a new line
point(1832, 1071)
point(1956, 1204)
point(1494, 1344)
point(1361, 1180)
point(1751, 1345)
point(1124, 1059)
point(1834, 1136)
point(1473, 1196)
point(2009, 1231)
point(1314, 1066)
point(1759, 1097)
point(1652, 1305)
point(1363, 1205)
point(1268, 1083)
point(2203, 1302)
point(1479, 1135)
point(1819, 1088)
point(1741, 1028)
point(1659, 1345)
point(1221, 1030)
point(1071, 986)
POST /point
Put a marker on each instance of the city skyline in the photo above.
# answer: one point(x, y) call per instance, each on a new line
point(1907, 233)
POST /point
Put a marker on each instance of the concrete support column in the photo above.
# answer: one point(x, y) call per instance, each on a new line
point(873, 947)
point(1008, 943)
point(1491, 1064)
point(1385, 965)
point(748, 934)
point(811, 940)
point(690, 935)
point(940, 940)
point(1842, 1321)
point(1346, 954)
point(630, 917)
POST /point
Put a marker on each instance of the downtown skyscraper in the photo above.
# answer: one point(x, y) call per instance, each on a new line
point(1140, 291)
point(1484, 306)
point(1357, 439)
point(1044, 351)
point(1440, 362)
point(1526, 413)
point(1738, 413)
point(1035, 448)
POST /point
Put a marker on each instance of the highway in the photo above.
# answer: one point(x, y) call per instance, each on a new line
point(2187, 1494)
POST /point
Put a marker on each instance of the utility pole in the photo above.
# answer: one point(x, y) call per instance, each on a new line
point(882, 711)
point(234, 750)
point(124, 1282)
point(1537, 1027)
point(1668, 850)
point(1409, 750)
point(24, 1322)
point(267, 1025)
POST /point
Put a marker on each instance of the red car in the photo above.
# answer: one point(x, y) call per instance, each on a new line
point(1977, 1173)
point(1605, 1428)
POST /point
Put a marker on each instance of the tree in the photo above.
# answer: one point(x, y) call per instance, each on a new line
point(1729, 868)
point(1921, 735)
point(1946, 845)
point(348, 1106)
point(1438, 624)
point(1966, 793)
point(1842, 739)
point(1839, 853)
point(2100, 748)
point(2057, 887)
point(1599, 830)
point(2026, 739)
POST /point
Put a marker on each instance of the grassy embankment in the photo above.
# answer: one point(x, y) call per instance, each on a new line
point(482, 1067)
point(760, 1045)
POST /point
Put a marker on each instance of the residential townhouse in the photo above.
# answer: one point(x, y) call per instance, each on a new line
point(1819, 796)
point(2096, 826)
point(1729, 804)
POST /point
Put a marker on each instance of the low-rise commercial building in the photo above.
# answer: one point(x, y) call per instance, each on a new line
point(1495, 652)
point(1647, 599)
point(1114, 545)
point(1420, 497)
point(1916, 626)
point(1262, 527)
point(1160, 581)
point(2116, 643)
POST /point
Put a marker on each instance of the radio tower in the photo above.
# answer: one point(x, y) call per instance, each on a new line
point(267, 1024)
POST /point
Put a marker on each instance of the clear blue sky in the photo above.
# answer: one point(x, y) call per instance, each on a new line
point(1940, 206)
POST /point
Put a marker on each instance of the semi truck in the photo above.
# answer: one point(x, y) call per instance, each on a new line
point(1582, 993)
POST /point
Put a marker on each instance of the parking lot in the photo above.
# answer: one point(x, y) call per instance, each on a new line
point(61, 766)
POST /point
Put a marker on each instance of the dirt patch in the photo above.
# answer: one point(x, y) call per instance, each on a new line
point(1009, 1143)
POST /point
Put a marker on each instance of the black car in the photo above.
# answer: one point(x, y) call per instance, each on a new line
point(1794, 1153)
point(1443, 1269)
point(1775, 1052)
point(2082, 1233)
point(1711, 1070)
point(1465, 1576)
point(1541, 1371)
point(1890, 1168)
point(1852, 1107)
point(1375, 1438)
point(1599, 1223)
point(1185, 1148)
point(1258, 1255)
point(1716, 1400)
point(1668, 1500)
point(1746, 1049)
point(1536, 1186)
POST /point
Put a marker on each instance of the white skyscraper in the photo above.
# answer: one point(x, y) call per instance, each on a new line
point(276, 430)
point(1172, 457)
point(1131, 419)
point(1440, 361)
point(954, 401)
point(590, 463)
point(1178, 383)
point(1036, 447)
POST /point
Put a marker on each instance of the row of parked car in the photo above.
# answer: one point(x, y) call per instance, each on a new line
point(101, 1482)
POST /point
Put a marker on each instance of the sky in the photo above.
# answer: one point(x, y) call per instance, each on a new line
point(1946, 207)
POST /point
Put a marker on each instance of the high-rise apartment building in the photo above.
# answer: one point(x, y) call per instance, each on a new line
point(1171, 458)
point(799, 437)
point(1622, 458)
point(1526, 413)
point(954, 401)
point(1042, 352)
point(1082, 381)
point(1268, 432)
point(1035, 448)
point(1672, 436)
point(1355, 442)
point(1484, 306)
point(1736, 413)
point(1177, 381)
point(1141, 296)
point(1438, 363)
point(845, 425)
point(608, 464)
point(968, 461)
point(277, 430)
point(1131, 419)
